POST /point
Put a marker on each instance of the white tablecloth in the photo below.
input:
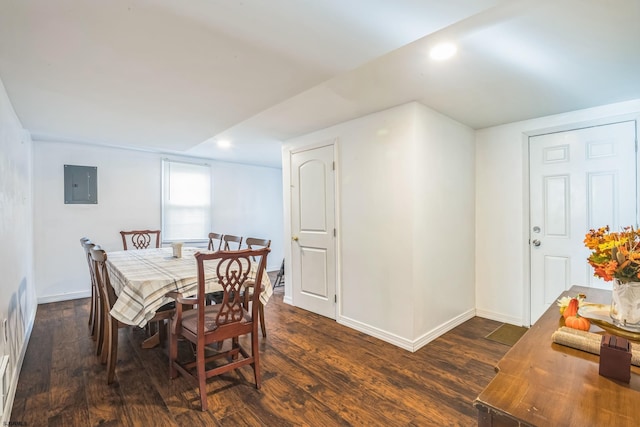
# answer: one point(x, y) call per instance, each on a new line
point(142, 278)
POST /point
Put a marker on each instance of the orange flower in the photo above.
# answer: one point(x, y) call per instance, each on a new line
point(614, 255)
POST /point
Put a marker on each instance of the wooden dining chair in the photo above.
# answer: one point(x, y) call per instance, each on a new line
point(140, 239)
point(215, 244)
point(228, 239)
point(225, 245)
point(207, 324)
point(215, 241)
point(94, 309)
point(249, 287)
point(109, 348)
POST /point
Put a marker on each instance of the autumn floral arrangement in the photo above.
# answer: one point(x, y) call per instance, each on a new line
point(614, 255)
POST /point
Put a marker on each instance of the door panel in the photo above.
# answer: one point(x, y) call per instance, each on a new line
point(313, 253)
point(556, 276)
point(312, 193)
point(556, 206)
point(579, 179)
point(314, 270)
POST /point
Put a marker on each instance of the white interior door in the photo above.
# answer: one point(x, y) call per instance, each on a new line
point(579, 179)
point(313, 252)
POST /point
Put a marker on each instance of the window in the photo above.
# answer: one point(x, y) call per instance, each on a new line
point(186, 201)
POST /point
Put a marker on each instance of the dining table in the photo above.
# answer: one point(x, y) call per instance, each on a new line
point(142, 278)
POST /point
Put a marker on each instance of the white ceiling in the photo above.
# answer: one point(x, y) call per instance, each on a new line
point(176, 76)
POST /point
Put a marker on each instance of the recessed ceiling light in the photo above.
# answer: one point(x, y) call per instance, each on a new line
point(223, 143)
point(443, 51)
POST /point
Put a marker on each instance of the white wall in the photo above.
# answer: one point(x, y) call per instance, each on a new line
point(502, 249)
point(248, 202)
point(405, 197)
point(443, 223)
point(17, 292)
point(129, 197)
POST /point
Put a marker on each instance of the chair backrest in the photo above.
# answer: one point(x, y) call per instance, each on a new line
point(230, 269)
point(140, 239)
point(215, 242)
point(87, 246)
point(229, 238)
point(255, 243)
point(99, 259)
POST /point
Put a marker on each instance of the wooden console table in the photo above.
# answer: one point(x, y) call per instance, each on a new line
point(540, 383)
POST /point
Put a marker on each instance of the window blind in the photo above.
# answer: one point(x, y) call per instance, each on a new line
point(186, 201)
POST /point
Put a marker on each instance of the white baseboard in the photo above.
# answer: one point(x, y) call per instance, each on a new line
point(394, 339)
point(4, 392)
point(64, 297)
point(500, 317)
point(442, 329)
point(13, 385)
point(272, 268)
point(404, 343)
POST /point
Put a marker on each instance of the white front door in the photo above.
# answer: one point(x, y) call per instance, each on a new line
point(313, 251)
point(579, 179)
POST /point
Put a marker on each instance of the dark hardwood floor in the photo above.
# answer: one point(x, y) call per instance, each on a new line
point(315, 373)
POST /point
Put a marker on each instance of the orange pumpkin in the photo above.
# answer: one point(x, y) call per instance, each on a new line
point(578, 322)
point(572, 308)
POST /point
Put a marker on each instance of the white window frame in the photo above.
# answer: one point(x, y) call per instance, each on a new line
point(168, 234)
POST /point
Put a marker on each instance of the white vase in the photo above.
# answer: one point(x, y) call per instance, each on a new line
point(625, 305)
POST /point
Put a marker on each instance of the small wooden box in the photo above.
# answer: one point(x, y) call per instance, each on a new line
point(615, 358)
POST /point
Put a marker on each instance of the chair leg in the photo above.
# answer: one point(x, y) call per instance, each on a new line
point(105, 344)
point(202, 376)
point(102, 328)
point(262, 325)
point(235, 344)
point(112, 357)
point(173, 353)
point(92, 314)
point(255, 353)
point(162, 331)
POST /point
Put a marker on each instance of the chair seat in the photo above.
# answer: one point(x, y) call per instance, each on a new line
point(168, 306)
point(190, 319)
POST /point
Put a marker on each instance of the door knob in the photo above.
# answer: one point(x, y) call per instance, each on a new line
point(294, 238)
point(536, 242)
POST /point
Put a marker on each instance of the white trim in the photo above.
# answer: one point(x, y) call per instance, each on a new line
point(4, 394)
point(272, 268)
point(333, 143)
point(336, 223)
point(404, 343)
point(442, 329)
point(376, 333)
point(326, 143)
point(6, 414)
point(526, 221)
point(64, 297)
point(500, 317)
point(526, 162)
